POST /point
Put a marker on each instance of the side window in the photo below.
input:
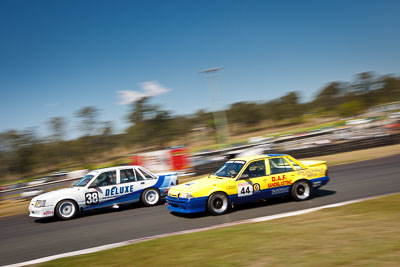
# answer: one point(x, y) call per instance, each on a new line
point(255, 169)
point(105, 179)
point(127, 176)
point(139, 176)
point(147, 174)
point(279, 165)
point(295, 165)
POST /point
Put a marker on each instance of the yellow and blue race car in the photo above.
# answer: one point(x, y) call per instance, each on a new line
point(247, 179)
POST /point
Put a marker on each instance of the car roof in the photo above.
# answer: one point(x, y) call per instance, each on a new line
point(117, 168)
point(249, 158)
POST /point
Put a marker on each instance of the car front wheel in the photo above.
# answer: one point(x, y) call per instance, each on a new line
point(218, 203)
point(150, 197)
point(301, 190)
point(66, 209)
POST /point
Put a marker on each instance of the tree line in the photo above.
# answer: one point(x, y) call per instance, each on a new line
point(25, 153)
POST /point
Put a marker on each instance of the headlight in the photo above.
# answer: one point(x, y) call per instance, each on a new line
point(40, 203)
point(185, 195)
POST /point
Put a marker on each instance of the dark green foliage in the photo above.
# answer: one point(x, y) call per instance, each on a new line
point(24, 153)
point(88, 116)
point(244, 113)
point(328, 98)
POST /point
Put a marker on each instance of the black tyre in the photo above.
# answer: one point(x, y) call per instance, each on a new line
point(218, 203)
point(150, 197)
point(66, 209)
point(301, 190)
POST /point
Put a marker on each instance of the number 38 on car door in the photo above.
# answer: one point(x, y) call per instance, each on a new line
point(92, 198)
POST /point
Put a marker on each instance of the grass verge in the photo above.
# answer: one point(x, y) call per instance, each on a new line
point(13, 207)
point(361, 234)
point(360, 155)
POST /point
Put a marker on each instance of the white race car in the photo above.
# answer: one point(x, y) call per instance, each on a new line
point(104, 188)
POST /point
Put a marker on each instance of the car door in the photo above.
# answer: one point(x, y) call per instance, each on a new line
point(281, 176)
point(252, 183)
point(129, 185)
point(102, 189)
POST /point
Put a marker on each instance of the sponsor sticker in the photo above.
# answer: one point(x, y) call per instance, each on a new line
point(119, 190)
point(279, 180)
point(278, 191)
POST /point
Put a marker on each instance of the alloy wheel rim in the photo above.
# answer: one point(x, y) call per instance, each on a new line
point(303, 191)
point(67, 209)
point(220, 204)
point(151, 197)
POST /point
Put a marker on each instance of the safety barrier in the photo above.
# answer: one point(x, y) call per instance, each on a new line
point(353, 145)
point(320, 150)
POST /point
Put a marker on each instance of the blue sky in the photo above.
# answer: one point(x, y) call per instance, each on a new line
point(59, 56)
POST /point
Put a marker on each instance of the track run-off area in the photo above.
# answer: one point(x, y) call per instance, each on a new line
point(23, 238)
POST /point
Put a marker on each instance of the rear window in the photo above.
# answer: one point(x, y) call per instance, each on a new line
point(147, 174)
point(295, 165)
point(279, 165)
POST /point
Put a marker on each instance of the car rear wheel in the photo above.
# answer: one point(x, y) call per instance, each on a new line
point(66, 209)
point(301, 190)
point(150, 197)
point(218, 203)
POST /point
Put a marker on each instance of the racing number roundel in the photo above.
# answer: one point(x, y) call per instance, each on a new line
point(245, 189)
point(92, 198)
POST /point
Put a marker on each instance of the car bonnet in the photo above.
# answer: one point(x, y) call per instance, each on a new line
point(56, 193)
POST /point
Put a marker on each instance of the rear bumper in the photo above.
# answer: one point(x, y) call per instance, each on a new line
point(318, 182)
point(183, 205)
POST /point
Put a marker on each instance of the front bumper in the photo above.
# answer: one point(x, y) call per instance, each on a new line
point(183, 205)
point(41, 212)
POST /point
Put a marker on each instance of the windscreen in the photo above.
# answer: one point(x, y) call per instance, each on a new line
point(230, 168)
point(84, 181)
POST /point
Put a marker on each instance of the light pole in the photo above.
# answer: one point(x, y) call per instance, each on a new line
point(220, 120)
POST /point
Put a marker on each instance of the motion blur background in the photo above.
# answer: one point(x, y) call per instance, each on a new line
point(91, 84)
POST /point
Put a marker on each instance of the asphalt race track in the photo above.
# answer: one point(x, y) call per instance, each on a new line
point(23, 238)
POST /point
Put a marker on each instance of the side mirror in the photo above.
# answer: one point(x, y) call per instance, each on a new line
point(244, 176)
point(94, 185)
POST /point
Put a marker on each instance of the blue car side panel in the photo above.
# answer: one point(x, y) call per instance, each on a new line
point(131, 197)
point(164, 182)
point(266, 193)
